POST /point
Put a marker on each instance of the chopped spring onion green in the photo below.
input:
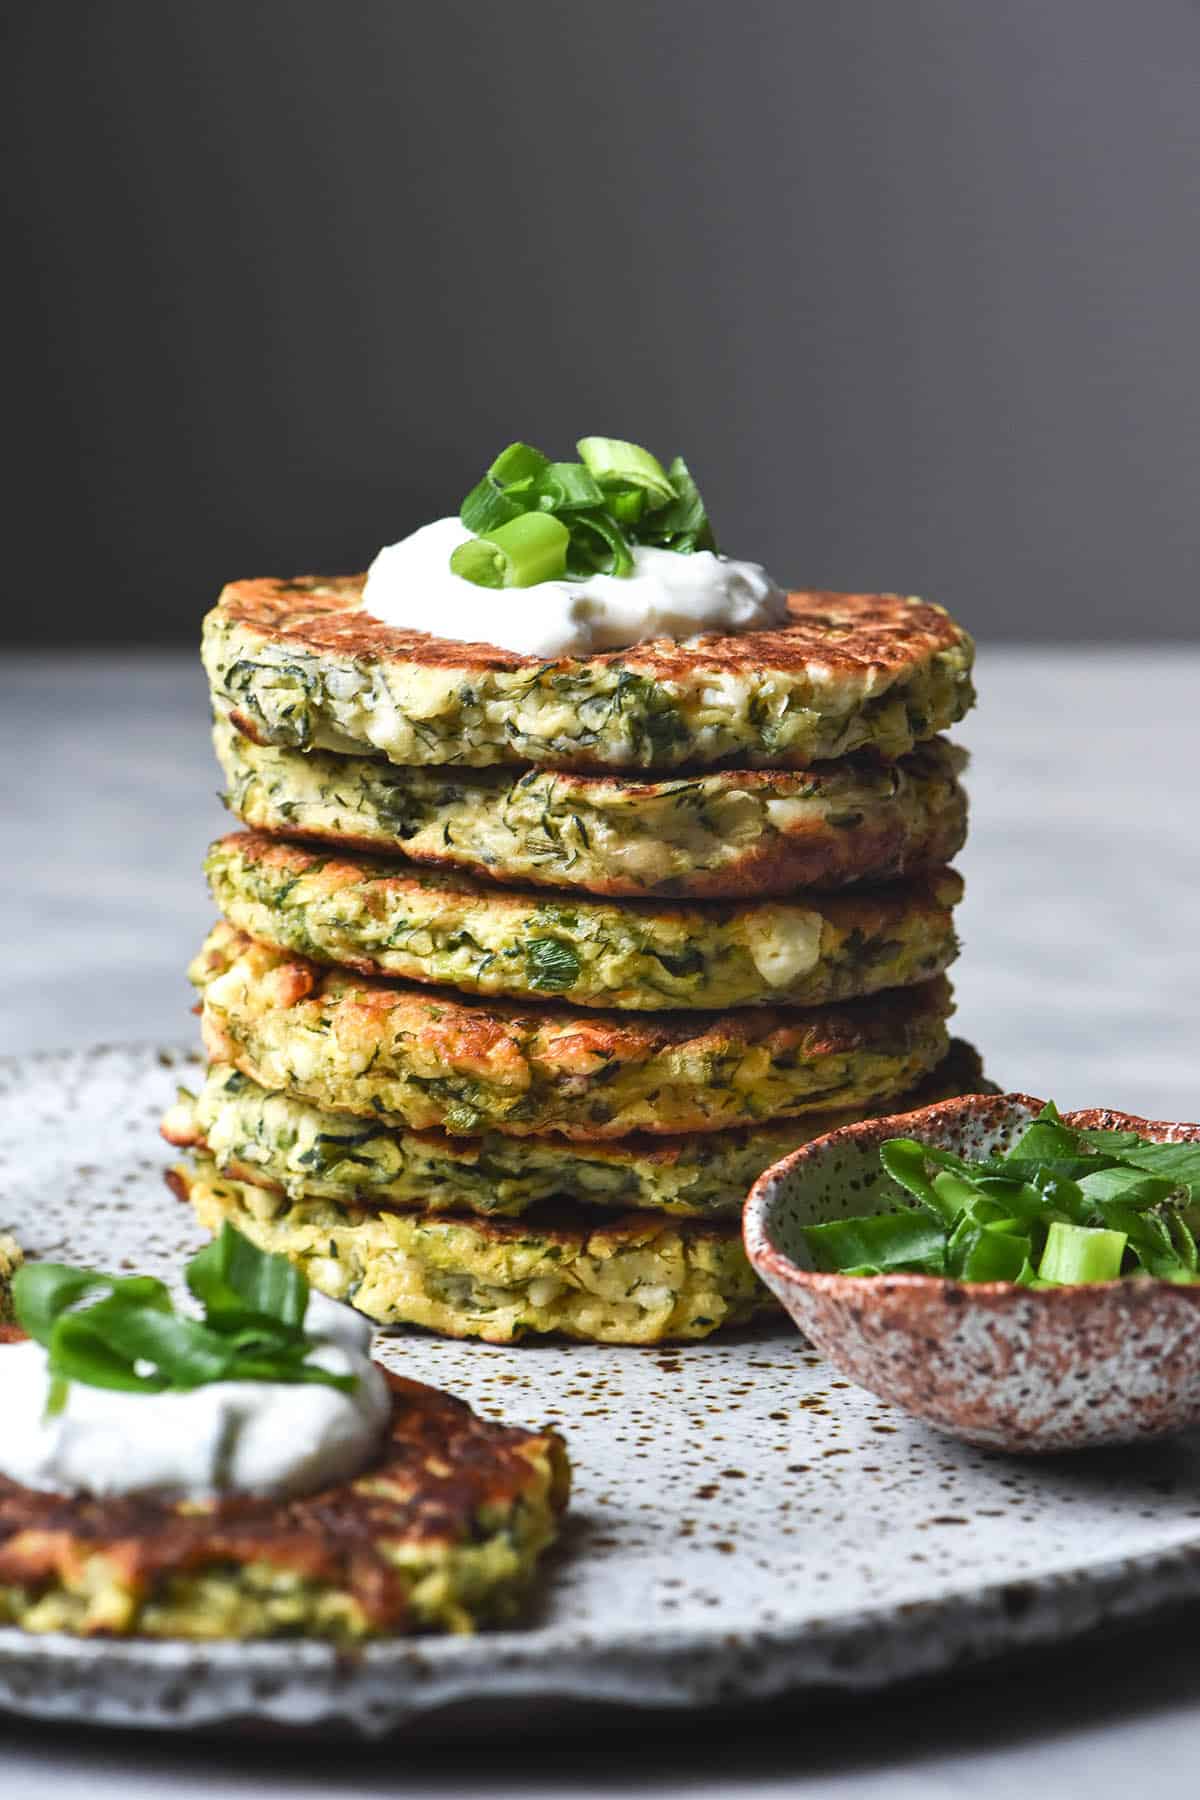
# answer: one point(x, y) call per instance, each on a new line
point(619, 466)
point(568, 487)
point(1060, 1207)
point(1076, 1253)
point(871, 1245)
point(528, 549)
point(598, 546)
point(683, 525)
point(112, 1331)
point(506, 491)
point(616, 497)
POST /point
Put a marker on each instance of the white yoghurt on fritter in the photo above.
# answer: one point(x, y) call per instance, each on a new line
point(411, 585)
point(228, 1437)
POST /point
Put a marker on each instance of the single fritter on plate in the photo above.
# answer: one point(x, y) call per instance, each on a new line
point(425, 1059)
point(718, 834)
point(381, 918)
point(272, 1141)
point(11, 1258)
point(633, 1278)
point(299, 663)
point(441, 1533)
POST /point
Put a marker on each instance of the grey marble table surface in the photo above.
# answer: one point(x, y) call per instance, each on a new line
point(1080, 979)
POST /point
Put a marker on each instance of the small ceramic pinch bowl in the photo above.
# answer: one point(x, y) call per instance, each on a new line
point(1000, 1365)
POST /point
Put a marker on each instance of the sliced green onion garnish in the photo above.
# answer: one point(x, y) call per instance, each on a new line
point(567, 488)
point(507, 490)
point(616, 464)
point(1076, 1253)
point(112, 1332)
point(527, 550)
point(627, 508)
point(598, 546)
point(984, 1253)
point(487, 506)
point(886, 1241)
point(683, 524)
point(1045, 1139)
point(617, 497)
point(1061, 1206)
point(56, 1396)
point(234, 1281)
point(518, 464)
point(44, 1291)
point(914, 1166)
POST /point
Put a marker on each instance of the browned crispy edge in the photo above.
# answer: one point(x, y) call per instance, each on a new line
point(774, 867)
point(819, 856)
point(843, 633)
point(561, 1221)
point(440, 1465)
point(473, 1033)
point(867, 908)
point(959, 1072)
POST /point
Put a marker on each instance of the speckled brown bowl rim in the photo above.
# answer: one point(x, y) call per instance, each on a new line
point(774, 1266)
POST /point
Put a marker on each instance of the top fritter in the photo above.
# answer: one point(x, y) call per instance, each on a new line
point(301, 663)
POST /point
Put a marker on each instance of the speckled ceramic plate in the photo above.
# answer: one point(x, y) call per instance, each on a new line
point(743, 1524)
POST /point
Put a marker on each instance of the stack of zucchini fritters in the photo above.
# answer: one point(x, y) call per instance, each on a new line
point(527, 970)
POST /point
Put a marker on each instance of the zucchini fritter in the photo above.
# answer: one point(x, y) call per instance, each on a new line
point(718, 834)
point(441, 1533)
point(638, 1278)
point(271, 1141)
point(423, 1059)
point(11, 1258)
point(381, 918)
point(300, 663)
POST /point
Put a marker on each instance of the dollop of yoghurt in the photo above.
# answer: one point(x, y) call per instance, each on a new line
point(229, 1437)
point(411, 585)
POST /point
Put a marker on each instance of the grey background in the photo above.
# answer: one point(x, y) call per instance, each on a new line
point(911, 282)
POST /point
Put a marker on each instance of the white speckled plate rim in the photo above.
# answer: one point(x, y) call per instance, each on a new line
point(765, 1532)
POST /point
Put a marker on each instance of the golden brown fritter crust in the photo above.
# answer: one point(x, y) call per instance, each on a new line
point(719, 834)
point(413, 1057)
point(843, 634)
point(300, 664)
point(11, 1258)
point(441, 1468)
point(283, 1145)
point(385, 918)
point(632, 1278)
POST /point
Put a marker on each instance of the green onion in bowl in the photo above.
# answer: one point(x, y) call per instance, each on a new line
point(1060, 1207)
point(1067, 1357)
